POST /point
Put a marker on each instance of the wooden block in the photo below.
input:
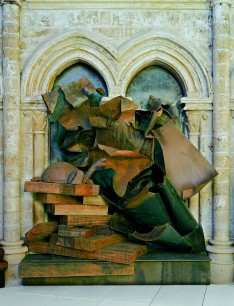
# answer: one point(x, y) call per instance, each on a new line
point(78, 210)
point(39, 247)
point(104, 230)
point(41, 231)
point(85, 220)
point(1, 253)
point(124, 253)
point(70, 231)
point(3, 265)
point(96, 200)
point(68, 189)
point(91, 243)
point(58, 266)
point(50, 198)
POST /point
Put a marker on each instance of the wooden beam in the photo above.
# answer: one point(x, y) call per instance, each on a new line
point(91, 243)
point(50, 198)
point(41, 231)
point(57, 188)
point(124, 253)
point(1, 253)
point(58, 266)
point(85, 220)
point(78, 210)
point(96, 200)
point(3, 265)
point(70, 231)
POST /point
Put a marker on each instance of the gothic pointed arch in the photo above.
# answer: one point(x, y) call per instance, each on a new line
point(61, 52)
point(167, 50)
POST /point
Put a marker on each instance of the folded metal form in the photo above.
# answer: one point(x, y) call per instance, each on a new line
point(150, 166)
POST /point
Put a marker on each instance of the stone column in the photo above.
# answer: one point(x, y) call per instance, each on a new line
point(1, 138)
point(198, 111)
point(39, 152)
point(220, 249)
point(206, 194)
point(14, 251)
point(194, 134)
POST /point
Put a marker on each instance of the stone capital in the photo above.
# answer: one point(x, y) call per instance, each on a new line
point(16, 2)
point(219, 2)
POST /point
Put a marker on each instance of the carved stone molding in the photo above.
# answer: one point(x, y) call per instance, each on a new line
point(194, 121)
point(116, 4)
point(17, 2)
point(197, 104)
point(220, 2)
point(116, 65)
point(39, 121)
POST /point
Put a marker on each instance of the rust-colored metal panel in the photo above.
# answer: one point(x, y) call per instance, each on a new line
point(186, 168)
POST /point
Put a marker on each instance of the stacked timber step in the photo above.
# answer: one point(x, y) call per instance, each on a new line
point(81, 237)
point(3, 268)
point(82, 249)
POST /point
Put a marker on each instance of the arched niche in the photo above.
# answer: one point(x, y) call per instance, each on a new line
point(61, 52)
point(77, 71)
point(167, 50)
point(157, 81)
point(71, 74)
point(117, 65)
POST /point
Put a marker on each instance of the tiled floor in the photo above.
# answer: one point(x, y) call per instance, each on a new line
point(213, 295)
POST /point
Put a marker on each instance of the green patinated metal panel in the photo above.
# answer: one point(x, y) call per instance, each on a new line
point(157, 81)
point(69, 75)
point(76, 72)
point(153, 80)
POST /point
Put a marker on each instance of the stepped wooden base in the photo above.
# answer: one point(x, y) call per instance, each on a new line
point(38, 265)
point(124, 253)
point(154, 268)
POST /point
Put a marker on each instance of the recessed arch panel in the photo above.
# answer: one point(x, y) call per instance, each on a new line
point(77, 71)
point(157, 81)
point(117, 65)
point(61, 52)
point(167, 50)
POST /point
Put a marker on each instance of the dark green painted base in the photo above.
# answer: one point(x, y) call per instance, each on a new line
point(154, 268)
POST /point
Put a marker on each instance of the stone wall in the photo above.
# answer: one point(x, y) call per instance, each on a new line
point(232, 112)
point(117, 26)
point(149, 30)
point(1, 136)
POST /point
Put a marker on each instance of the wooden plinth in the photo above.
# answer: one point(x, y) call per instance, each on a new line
point(154, 268)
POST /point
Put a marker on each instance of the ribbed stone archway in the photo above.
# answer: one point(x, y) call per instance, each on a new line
point(62, 51)
point(170, 52)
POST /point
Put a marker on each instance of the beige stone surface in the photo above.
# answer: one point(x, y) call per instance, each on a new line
point(118, 39)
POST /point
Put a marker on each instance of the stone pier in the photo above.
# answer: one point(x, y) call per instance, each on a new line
point(221, 248)
point(199, 115)
point(12, 244)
